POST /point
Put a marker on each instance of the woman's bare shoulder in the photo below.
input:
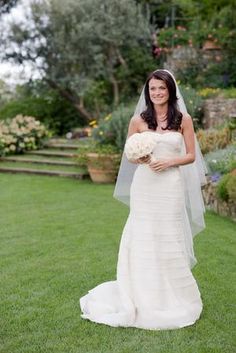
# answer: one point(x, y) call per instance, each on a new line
point(186, 120)
point(186, 116)
point(137, 119)
point(135, 125)
point(187, 124)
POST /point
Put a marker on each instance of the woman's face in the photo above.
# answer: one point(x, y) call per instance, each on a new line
point(158, 92)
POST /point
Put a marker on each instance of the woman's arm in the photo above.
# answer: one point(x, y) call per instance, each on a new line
point(188, 134)
point(133, 125)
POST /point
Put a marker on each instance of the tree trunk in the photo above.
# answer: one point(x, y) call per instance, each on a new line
point(84, 112)
point(112, 53)
point(116, 96)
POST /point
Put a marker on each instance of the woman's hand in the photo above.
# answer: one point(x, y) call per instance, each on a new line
point(145, 159)
point(160, 164)
point(142, 160)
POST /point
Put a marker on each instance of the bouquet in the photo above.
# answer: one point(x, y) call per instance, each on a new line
point(140, 145)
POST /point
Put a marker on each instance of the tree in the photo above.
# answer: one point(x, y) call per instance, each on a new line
point(5, 92)
point(36, 99)
point(74, 44)
point(6, 5)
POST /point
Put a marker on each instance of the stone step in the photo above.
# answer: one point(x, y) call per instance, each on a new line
point(74, 142)
point(53, 150)
point(53, 159)
point(61, 143)
point(41, 166)
point(43, 172)
point(34, 157)
point(37, 161)
point(60, 146)
point(52, 153)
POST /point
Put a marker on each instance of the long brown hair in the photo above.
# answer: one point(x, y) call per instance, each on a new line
point(174, 116)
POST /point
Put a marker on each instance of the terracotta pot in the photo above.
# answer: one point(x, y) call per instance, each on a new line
point(210, 44)
point(103, 168)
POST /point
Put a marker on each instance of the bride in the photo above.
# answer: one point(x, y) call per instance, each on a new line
point(155, 288)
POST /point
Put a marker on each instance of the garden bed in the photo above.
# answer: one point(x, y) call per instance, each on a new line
point(214, 203)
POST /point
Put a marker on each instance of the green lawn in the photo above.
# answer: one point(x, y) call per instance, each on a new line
point(60, 238)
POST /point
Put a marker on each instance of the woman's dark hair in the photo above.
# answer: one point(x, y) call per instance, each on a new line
point(174, 116)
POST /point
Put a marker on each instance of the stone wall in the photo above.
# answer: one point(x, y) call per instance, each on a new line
point(212, 202)
point(218, 110)
point(180, 58)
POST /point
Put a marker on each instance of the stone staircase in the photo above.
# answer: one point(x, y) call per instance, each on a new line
point(56, 158)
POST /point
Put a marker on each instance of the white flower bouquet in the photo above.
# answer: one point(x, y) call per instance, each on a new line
point(140, 145)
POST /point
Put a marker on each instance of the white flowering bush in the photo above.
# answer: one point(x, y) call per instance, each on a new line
point(22, 133)
point(140, 145)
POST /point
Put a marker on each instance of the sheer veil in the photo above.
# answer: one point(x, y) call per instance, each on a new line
point(193, 176)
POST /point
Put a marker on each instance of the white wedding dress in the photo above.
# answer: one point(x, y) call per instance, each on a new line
point(155, 288)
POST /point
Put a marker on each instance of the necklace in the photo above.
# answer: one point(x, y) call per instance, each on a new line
point(161, 117)
point(161, 120)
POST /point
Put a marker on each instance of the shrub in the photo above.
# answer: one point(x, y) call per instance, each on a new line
point(91, 146)
point(229, 92)
point(226, 188)
point(49, 108)
point(221, 189)
point(221, 161)
point(213, 139)
point(174, 37)
point(208, 92)
point(231, 187)
point(194, 104)
point(113, 128)
point(20, 134)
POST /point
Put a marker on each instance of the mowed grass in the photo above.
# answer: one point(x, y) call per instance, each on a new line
point(60, 238)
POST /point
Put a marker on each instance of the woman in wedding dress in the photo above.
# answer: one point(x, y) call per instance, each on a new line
point(155, 288)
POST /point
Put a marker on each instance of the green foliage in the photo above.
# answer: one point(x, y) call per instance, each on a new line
point(132, 77)
point(80, 44)
point(44, 104)
point(226, 188)
point(231, 186)
point(5, 92)
point(209, 92)
point(229, 92)
point(215, 75)
point(108, 134)
point(114, 127)
point(222, 160)
point(174, 37)
point(93, 146)
point(200, 74)
point(194, 25)
point(194, 104)
point(99, 98)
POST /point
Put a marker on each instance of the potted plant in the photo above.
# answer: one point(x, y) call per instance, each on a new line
point(101, 160)
point(101, 154)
